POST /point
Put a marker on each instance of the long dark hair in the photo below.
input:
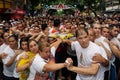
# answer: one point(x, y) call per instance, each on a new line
point(24, 39)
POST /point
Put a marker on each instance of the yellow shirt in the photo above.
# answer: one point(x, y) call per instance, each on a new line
point(24, 60)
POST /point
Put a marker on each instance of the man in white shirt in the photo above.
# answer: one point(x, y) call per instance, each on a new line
point(114, 29)
point(85, 50)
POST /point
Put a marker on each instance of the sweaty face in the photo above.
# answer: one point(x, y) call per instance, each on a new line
point(83, 40)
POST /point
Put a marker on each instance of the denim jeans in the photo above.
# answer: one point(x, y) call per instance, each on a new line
point(112, 75)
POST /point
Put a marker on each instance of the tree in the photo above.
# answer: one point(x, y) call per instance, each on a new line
point(92, 5)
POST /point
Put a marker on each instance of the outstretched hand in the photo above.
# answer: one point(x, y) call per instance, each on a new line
point(68, 63)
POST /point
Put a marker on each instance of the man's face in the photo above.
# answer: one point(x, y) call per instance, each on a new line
point(68, 25)
point(83, 40)
point(97, 29)
point(91, 35)
point(36, 29)
point(114, 31)
point(105, 32)
point(20, 27)
point(12, 42)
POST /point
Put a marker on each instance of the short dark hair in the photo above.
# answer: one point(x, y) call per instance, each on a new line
point(56, 22)
point(44, 26)
point(111, 26)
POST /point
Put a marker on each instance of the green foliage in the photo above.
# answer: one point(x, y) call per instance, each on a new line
point(92, 4)
point(89, 1)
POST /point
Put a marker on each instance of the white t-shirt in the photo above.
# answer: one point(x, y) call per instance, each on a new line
point(101, 39)
point(115, 39)
point(118, 36)
point(37, 66)
point(2, 47)
point(8, 71)
point(17, 74)
point(84, 57)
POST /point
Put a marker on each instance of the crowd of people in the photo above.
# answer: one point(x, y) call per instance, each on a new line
point(60, 48)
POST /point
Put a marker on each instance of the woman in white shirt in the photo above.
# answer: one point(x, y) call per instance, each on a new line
point(2, 47)
point(43, 64)
point(10, 61)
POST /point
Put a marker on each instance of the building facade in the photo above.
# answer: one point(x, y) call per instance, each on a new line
point(5, 3)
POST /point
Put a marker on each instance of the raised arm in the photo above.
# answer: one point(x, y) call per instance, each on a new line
point(56, 44)
point(39, 36)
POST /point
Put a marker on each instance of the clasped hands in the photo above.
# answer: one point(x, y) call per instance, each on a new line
point(68, 63)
